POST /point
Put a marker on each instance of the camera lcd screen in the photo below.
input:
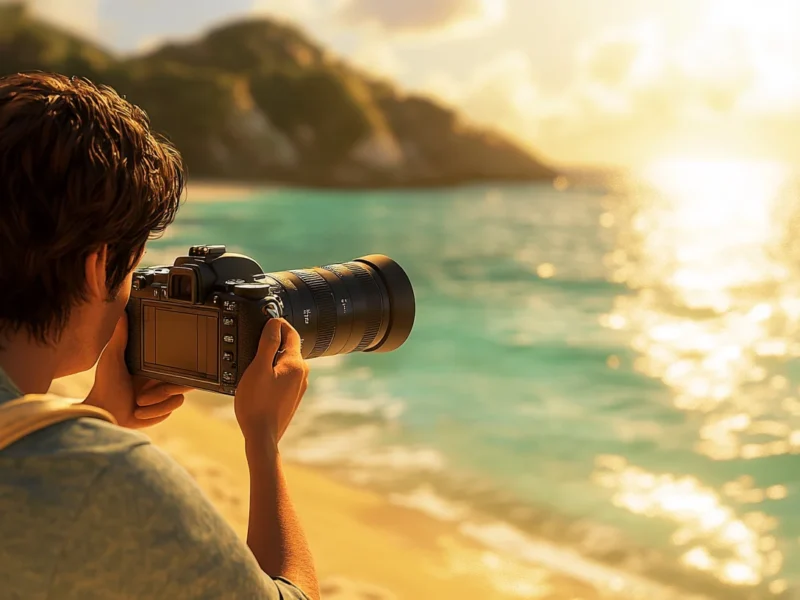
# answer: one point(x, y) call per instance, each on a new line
point(181, 340)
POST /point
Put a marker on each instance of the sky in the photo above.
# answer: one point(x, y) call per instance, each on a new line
point(581, 82)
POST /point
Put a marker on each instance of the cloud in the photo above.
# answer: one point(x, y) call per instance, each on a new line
point(501, 92)
point(638, 92)
point(708, 74)
point(641, 91)
point(612, 63)
point(79, 16)
point(369, 49)
point(292, 10)
point(376, 56)
point(424, 16)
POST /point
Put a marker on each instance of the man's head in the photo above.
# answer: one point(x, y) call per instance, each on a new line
point(84, 184)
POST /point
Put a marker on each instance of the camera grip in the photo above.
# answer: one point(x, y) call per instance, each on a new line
point(250, 323)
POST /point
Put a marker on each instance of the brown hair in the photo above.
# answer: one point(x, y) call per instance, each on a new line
point(79, 169)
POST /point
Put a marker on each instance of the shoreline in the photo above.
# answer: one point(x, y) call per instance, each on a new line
point(391, 551)
point(364, 546)
point(201, 192)
point(223, 190)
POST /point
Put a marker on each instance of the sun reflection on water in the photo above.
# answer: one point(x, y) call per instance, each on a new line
point(713, 313)
point(713, 538)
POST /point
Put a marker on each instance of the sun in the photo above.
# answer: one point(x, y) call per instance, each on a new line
point(737, 185)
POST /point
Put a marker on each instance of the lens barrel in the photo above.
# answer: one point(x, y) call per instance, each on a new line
point(365, 305)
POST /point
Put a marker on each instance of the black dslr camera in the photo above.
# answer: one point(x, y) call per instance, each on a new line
point(198, 322)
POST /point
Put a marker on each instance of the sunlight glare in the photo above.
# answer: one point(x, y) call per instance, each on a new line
point(702, 247)
point(707, 524)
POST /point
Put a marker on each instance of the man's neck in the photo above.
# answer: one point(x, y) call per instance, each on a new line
point(31, 366)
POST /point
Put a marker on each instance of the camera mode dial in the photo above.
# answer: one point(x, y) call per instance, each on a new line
point(251, 291)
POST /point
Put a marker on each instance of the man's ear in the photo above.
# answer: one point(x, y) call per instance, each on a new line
point(96, 273)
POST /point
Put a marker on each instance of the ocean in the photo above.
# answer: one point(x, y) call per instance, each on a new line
point(602, 379)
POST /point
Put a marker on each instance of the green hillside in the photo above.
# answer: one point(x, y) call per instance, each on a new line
point(258, 100)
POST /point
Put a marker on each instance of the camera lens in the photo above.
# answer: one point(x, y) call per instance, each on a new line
point(365, 305)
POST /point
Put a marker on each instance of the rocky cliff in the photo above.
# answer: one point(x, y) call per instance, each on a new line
point(258, 100)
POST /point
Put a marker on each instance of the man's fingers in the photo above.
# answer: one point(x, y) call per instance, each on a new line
point(162, 409)
point(160, 392)
point(270, 341)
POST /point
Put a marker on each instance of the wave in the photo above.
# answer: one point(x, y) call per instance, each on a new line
point(359, 438)
point(593, 553)
point(358, 450)
point(505, 538)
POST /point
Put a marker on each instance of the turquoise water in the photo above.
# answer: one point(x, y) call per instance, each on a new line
point(612, 372)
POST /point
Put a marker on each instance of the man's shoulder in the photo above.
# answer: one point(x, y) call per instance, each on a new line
point(80, 457)
point(101, 509)
point(89, 467)
point(87, 437)
point(53, 469)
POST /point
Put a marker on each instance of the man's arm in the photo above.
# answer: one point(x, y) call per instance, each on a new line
point(274, 533)
point(267, 397)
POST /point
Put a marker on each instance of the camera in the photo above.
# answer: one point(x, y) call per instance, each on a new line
point(198, 322)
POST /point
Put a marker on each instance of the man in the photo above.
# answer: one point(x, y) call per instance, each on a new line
point(88, 509)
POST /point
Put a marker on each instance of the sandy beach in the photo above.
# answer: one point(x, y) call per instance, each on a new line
point(219, 191)
point(365, 547)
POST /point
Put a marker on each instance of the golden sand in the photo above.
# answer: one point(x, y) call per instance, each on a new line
point(364, 547)
point(214, 191)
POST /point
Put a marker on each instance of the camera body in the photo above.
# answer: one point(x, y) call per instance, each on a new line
point(198, 322)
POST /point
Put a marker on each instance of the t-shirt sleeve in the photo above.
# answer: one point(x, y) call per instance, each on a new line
point(146, 530)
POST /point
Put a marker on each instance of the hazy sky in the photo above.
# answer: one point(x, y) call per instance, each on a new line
point(581, 81)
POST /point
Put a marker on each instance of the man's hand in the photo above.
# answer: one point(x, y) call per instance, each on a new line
point(271, 389)
point(266, 399)
point(135, 402)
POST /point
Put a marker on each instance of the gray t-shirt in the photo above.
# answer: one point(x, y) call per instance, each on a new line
point(90, 510)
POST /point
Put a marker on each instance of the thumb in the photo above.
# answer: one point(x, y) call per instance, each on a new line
point(270, 342)
point(291, 339)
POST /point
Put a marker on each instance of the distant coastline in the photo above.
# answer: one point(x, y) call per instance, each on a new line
point(202, 189)
point(258, 100)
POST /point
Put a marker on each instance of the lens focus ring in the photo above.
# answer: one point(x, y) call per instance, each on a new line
point(372, 298)
point(326, 307)
point(373, 295)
